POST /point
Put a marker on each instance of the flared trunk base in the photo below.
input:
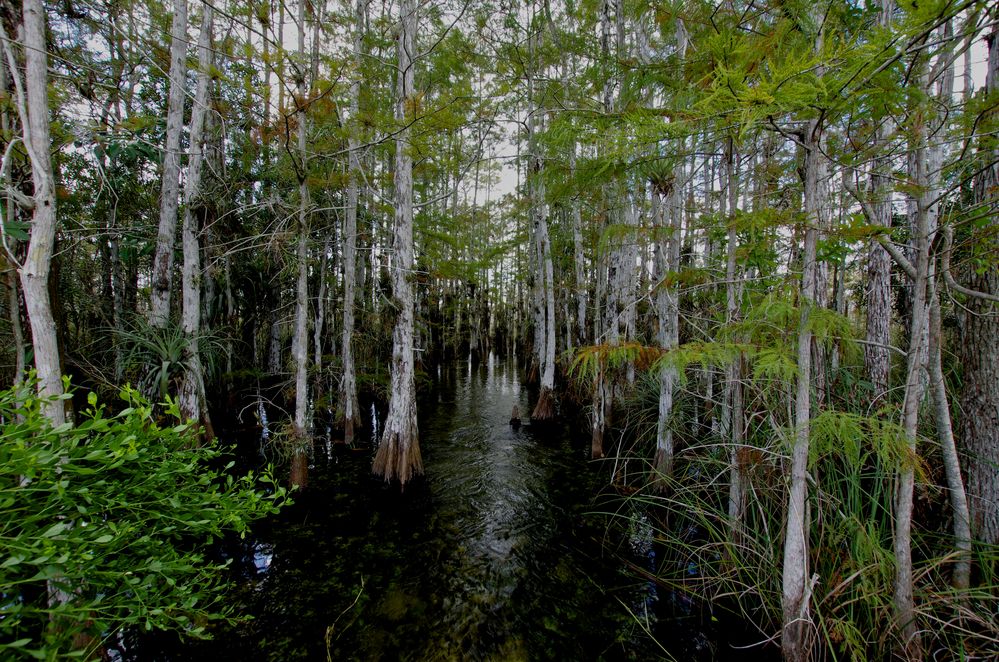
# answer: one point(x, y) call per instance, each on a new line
point(544, 410)
point(398, 459)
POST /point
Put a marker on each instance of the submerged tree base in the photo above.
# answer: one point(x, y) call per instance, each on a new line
point(597, 443)
point(398, 458)
point(545, 409)
point(299, 470)
point(348, 431)
point(662, 469)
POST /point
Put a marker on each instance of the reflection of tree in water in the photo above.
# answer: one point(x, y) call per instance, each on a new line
point(489, 557)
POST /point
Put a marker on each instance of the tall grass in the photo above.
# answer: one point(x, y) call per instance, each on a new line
point(853, 465)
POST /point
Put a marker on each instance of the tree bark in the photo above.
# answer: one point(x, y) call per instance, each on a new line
point(961, 576)
point(979, 395)
point(398, 456)
point(38, 262)
point(191, 399)
point(349, 409)
point(877, 359)
point(733, 373)
point(922, 204)
point(796, 592)
point(544, 296)
point(299, 340)
point(162, 278)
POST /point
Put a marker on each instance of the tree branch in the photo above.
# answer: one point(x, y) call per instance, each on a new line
point(948, 233)
point(850, 184)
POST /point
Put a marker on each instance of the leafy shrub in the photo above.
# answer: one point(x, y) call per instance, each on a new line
point(105, 525)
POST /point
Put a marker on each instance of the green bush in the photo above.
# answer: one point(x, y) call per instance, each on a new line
point(105, 525)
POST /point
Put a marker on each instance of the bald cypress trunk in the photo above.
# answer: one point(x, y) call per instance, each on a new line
point(191, 398)
point(878, 288)
point(733, 373)
point(34, 106)
point(398, 456)
point(667, 211)
point(349, 409)
point(162, 278)
point(299, 340)
point(796, 592)
point(922, 203)
point(979, 397)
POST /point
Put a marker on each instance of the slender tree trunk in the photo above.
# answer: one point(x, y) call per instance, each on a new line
point(606, 300)
point(797, 584)
point(162, 278)
point(961, 577)
point(191, 399)
point(34, 108)
point(905, 614)
point(299, 341)
point(319, 326)
point(544, 297)
point(667, 307)
point(545, 408)
point(733, 373)
point(398, 456)
point(349, 410)
point(667, 291)
point(582, 287)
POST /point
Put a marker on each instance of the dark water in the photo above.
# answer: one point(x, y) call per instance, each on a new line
point(494, 555)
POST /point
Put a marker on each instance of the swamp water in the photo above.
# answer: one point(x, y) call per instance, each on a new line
point(493, 555)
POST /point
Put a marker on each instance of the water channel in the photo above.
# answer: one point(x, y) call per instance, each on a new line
point(495, 555)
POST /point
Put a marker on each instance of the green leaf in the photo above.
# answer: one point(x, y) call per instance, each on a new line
point(56, 529)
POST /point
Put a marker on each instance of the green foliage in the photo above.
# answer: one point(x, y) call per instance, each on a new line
point(854, 461)
point(596, 359)
point(105, 524)
point(153, 358)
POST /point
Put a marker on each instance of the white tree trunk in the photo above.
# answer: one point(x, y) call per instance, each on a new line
point(159, 302)
point(733, 374)
point(191, 399)
point(796, 591)
point(923, 205)
point(545, 408)
point(37, 263)
point(299, 340)
point(320, 323)
point(349, 408)
point(666, 205)
point(961, 577)
point(579, 264)
point(398, 456)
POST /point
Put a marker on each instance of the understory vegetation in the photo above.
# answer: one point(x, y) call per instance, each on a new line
point(754, 242)
point(108, 524)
